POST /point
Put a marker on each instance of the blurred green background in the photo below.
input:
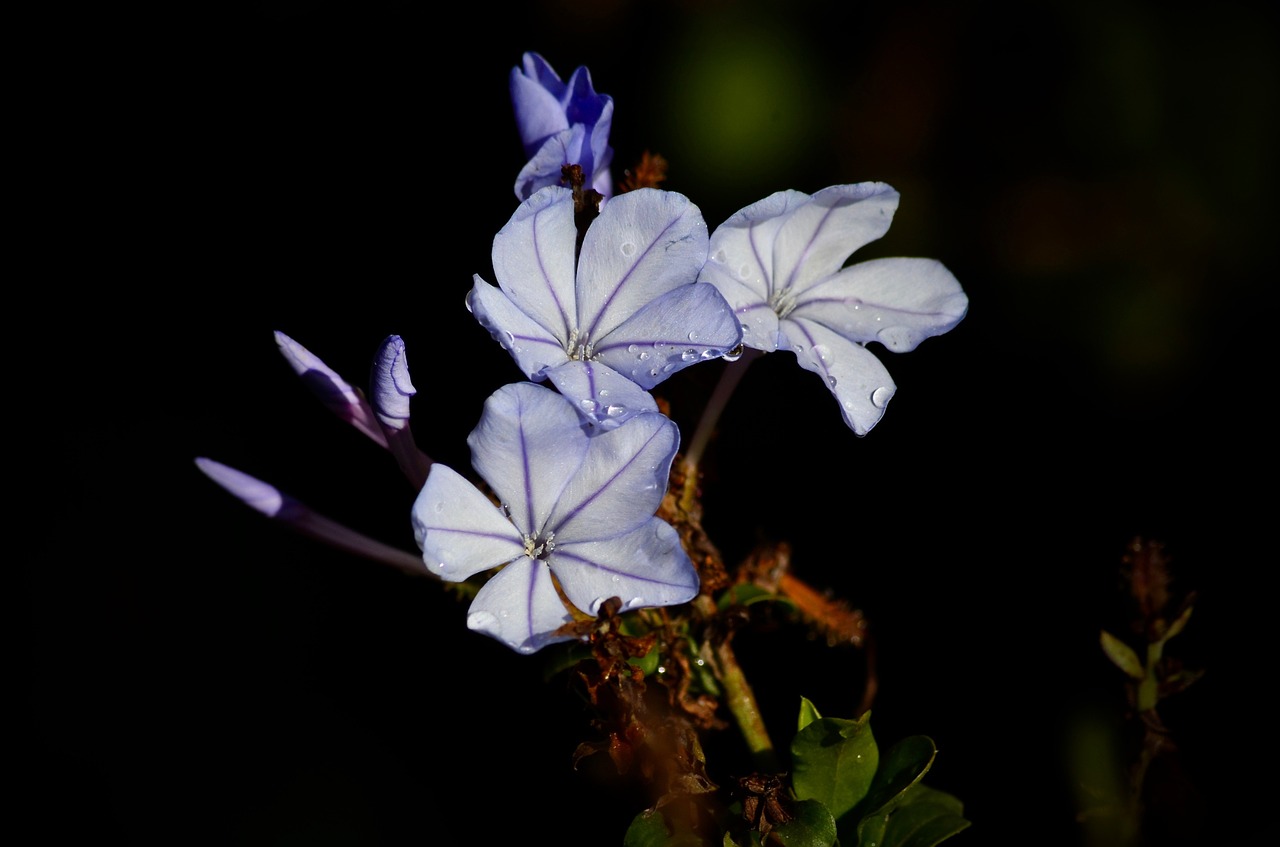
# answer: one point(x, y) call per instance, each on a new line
point(1099, 176)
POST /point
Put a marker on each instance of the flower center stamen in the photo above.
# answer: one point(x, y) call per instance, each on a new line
point(782, 302)
point(579, 349)
point(537, 547)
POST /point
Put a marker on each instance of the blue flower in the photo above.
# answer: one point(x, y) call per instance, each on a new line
point(577, 512)
point(626, 317)
point(560, 124)
point(780, 264)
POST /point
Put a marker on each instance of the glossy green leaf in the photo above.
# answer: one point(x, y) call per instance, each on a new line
point(812, 826)
point(834, 761)
point(1122, 655)
point(902, 767)
point(808, 713)
point(922, 817)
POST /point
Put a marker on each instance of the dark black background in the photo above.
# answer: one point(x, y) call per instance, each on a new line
point(1098, 176)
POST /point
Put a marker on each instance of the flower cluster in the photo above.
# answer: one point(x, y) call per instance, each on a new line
point(604, 296)
point(579, 520)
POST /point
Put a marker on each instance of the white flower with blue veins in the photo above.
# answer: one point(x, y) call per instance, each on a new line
point(577, 510)
point(607, 325)
point(780, 265)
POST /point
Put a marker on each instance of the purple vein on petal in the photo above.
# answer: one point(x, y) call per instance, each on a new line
point(563, 554)
point(813, 237)
point(546, 277)
point(577, 509)
point(392, 389)
point(622, 281)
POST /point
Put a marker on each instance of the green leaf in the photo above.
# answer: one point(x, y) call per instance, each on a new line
point(812, 826)
point(746, 594)
point(903, 766)
point(562, 657)
point(808, 713)
point(1178, 624)
point(648, 663)
point(1122, 656)
point(834, 761)
point(922, 817)
point(649, 829)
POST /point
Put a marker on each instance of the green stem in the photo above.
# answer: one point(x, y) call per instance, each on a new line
point(742, 704)
point(741, 701)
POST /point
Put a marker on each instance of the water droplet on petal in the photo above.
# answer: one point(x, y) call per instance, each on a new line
point(614, 410)
point(635, 602)
point(735, 354)
point(439, 506)
point(644, 354)
point(693, 335)
point(819, 353)
point(880, 397)
point(628, 249)
point(631, 348)
point(896, 338)
point(689, 355)
point(744, 271)
point(483, 621)
point(720, 256)
point(831, 381)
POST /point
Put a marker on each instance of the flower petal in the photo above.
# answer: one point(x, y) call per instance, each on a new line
point(519, 606)
point(530, 441)
point(392, 389)
point(274, 503)
point(818, 236)
point(582, 105)
point(602, 153)
point(604, 397)
point(335, 392)
point(533, 260)
point(460, 531)
point(861, 384)
point(620, 483)
point(687, 325)
point(569, 146)
point(643, 244)
point(645, 567)
point(740, 265)
point(534, 348)
point(536, 96)
point(898, 302)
